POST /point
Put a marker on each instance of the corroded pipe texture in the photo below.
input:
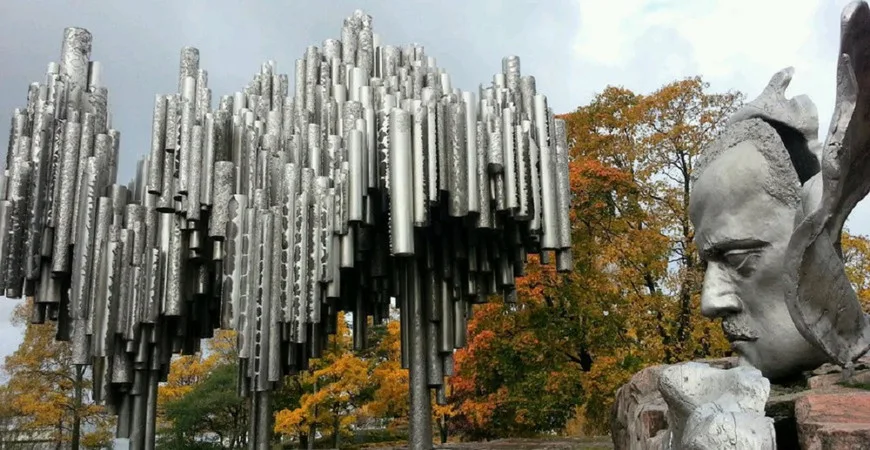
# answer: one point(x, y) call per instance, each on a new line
point(277, 211)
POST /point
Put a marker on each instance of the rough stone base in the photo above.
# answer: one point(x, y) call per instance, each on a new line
point(839, 419)
point(817, 412)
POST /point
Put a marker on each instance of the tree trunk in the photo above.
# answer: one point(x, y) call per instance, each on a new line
point(336, 435)
point(59, 444)
point(312, 429)
point(443, 429)
point(77, 408)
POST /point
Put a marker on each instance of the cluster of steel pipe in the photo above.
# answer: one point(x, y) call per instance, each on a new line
point(274, 212)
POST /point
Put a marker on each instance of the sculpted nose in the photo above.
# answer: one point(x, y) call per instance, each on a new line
point(718, 298)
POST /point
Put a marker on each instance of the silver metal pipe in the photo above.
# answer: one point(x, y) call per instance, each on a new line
point(510, 155)
point(484, 218)
point(563, 189)
point(301, 257)
point(6, 212)
point(202, 99)
point(457, 160)
point(187, 121)
point(19, 186)
point(222, 186)
point(75, 55)
point(356, 181)
point(232, 286)
point(194, 176)
point(315, 228)
point(82, 266)
point(40, 154)
point(97, 313)
point(207, 161)
point(188, 65)
point(401, 178)
point(261, 322)
point(549, 215)
point(275, 316)
point(420, 163)
point(470, 101)
point(158, 144)
point(420, 406)
point(68, 177)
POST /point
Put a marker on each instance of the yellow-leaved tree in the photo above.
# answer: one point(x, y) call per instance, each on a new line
point(856, 255)
point(390, 399)
point(46, 394)
point(334, 389)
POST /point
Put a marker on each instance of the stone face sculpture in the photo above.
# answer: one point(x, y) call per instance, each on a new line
point(711, 408)
point(743, 204)
point(768, 206)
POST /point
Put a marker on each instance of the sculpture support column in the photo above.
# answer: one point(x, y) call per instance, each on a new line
point(420, 403)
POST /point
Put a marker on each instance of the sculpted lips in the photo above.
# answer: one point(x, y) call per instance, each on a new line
point(737, 330)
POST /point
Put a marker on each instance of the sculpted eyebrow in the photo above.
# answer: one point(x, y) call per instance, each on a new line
point(734, 244)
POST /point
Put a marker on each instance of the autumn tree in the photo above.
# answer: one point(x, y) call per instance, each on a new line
point(336, 387)
point(444, 414)
point(633, 296)
point(391, 382)
point(45, 391)
point(571, 338)
point(856, 256)
point(508, 382)
point(656, 139)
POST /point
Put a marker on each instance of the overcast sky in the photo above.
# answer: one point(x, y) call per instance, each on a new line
point(574, 49)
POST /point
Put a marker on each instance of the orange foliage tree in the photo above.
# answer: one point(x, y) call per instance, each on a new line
point(632, 298)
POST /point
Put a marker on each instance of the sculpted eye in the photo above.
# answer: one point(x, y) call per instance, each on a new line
point(743, 261)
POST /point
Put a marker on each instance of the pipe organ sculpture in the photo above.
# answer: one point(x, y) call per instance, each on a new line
point(270, 210)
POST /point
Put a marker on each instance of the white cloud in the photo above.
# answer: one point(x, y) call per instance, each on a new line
point(733, 44)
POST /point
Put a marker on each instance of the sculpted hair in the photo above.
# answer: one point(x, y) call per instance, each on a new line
point(782, 182)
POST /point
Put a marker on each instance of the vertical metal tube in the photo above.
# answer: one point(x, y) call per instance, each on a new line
point(158, 145)
point(420, 164)
point(356, 188)
point(151, 411)
point(457, 160)
point(470, 101)
point(401, 177)
point(187, 121)
point(447, 321)
point(75, 55)
point(421, 408)
point(510, 167)
point(207, 172)
point(68, 178)
point(188, 65)
point(549, 216)
point(194, 160)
